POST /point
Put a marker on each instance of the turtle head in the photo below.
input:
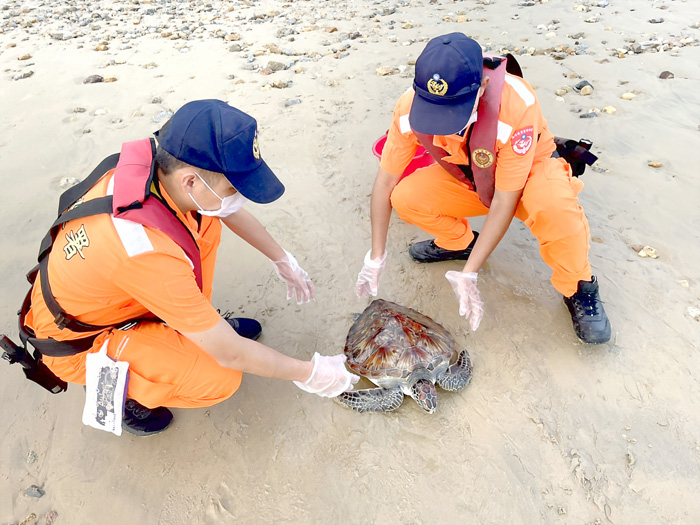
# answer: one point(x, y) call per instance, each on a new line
point(425, 394)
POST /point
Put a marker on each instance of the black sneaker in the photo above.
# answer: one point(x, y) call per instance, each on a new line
point(587, 313)
point(428, 251)
point(142, 421)
point(248, 328)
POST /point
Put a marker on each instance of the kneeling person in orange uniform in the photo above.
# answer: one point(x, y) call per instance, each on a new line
point(138, 277)
point(511, 173)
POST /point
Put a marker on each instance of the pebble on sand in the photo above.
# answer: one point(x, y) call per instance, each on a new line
point(385, 70)
point(93, 79)
point(609, 110)
point(21, 76)
point(628, 96)
point(654, 164)
point(666, 75)
point(25, 57)
point(648, 251)
point(34, 491)
point(694, 312)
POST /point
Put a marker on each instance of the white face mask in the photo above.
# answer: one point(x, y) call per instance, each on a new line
point(229, 205)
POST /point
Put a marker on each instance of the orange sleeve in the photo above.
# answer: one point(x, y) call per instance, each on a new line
point(516, 156)
point(401, 143)
point(166, 286)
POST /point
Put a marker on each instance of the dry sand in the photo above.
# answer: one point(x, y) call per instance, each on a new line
point(549, 431)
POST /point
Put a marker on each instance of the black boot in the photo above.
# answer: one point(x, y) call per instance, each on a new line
point(587, 313)
point(428, 251)
point(248, 328)
point(142, 421)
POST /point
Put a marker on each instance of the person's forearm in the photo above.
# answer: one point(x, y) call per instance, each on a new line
point(380, 210)
point(248, 228)
point(495, 226)
point(233, 351)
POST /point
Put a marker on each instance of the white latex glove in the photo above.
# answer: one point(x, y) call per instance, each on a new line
point(299, 285)
point(470, 304)
point(368, 278)
point(329, 378)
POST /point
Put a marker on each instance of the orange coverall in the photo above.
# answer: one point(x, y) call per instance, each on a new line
point(105, 271)
point(435, 201)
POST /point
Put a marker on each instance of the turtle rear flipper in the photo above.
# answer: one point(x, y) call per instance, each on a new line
point(371, 399)
point(458, 375)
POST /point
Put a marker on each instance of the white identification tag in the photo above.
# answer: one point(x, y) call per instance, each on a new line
point(105, 391)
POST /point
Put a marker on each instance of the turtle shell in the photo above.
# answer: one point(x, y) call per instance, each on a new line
point(391, 341)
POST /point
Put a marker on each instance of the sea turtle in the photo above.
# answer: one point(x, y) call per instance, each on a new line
point(403, 352)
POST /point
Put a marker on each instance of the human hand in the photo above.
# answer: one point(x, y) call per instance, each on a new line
point(299, 285)
point(470, 303)
point(329, 378)
point(368, 278)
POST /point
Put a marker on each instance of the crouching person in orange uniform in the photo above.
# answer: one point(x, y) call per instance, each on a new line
point(128, 269)
point(494, 157)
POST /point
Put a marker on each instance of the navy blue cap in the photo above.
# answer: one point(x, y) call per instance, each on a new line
point(214, 136)
point(447, 80)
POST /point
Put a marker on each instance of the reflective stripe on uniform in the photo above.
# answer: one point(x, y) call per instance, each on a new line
point(504, 131)
point(132, 234)
point(521, 89)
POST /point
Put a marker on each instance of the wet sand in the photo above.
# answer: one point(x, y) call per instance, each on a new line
point(549, 431)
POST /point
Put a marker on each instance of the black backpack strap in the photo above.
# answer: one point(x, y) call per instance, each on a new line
point(71, 195)
point(61, 317)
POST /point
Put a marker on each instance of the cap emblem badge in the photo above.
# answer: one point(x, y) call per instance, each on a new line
point(437, 86)
point(256, 148)
point(482, 158)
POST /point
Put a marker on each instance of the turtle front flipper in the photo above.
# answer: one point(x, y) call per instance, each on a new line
point(458, 375)
point(371, 399)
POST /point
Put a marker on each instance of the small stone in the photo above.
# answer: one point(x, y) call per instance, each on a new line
point(11, 45)
point(666, 75)
point(586, 90)
point(591, 114)
point(597, 239)
point(656, 21)
point(21, 76)
point(276, 66)
point(331, 29)
point(35, 491)
point(51, 517)
point(654, 164)
point(628, 96)
point(265, 71)
point(110, 79)
point(280, 84)
point(610, 110)
point(156, 100)
point(576, 109)
point(235, 47)
point(93, 79)
point(385, 70)
point(694, 312)
point(32, 456)
point(86, 131)
point(101, 47)
point(99, 112)
point(162, 115)
point(561, 92)
point(232, 37)
point(581, 85)
point(25, 57)
point(684, 283)
point(648, 251)
point(292, 102)
point(65, 183)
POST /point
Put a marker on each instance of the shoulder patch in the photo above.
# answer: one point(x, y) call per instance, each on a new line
point(522, 140)
point(521, 89)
